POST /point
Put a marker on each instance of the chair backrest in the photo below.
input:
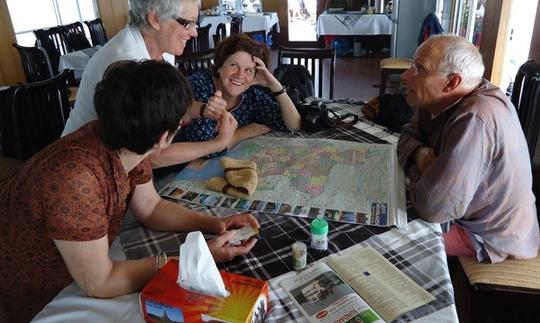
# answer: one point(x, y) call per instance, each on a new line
point(97, 32)
point(38, 113)
point(201, 43)
point(36, 63)
point(221, 33)
point(53, 41)
point(258, 35)
point(526, 99)
point(75, 37)
point(314, 60)
point(195, 62)
point(236, 25)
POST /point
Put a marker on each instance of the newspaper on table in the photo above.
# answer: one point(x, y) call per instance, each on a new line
point(359, 286)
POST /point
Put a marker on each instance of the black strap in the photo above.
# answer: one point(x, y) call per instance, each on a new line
point(339, 121)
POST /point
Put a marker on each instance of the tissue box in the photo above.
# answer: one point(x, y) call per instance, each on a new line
point(162, 300)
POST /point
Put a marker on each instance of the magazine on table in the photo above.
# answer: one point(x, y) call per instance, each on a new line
point(357, 286)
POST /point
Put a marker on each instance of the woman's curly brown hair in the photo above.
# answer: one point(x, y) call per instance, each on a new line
point(236, 43)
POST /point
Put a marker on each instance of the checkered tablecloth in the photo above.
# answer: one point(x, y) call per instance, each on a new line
point(418, 253)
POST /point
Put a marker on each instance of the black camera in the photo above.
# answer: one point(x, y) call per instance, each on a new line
point(314, 116)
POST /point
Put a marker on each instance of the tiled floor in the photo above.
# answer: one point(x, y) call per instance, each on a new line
point(354, 76)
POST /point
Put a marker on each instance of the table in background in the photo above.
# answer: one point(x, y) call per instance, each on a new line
point(418, 252)
point(77, 60)
point(267, 21)
point(353, 24)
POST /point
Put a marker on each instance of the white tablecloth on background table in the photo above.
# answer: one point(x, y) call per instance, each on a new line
point(251, 22)
point(77, 60)
point(353, 24)
point(215, 21)
point(266, 22)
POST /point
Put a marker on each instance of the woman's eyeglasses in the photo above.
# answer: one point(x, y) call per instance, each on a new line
point(188, 24)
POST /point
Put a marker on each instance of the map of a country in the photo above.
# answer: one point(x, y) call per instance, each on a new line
point(301, 164)
point(323, 173)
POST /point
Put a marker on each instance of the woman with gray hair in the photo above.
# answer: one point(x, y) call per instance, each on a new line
point(159, 30)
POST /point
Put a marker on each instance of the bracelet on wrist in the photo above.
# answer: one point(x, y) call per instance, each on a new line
point(280, 92)
point(201, 111)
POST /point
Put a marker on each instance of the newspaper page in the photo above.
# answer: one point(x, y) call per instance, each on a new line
point(324, 297)
point(389, 291)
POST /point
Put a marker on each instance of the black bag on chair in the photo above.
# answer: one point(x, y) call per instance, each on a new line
point(297, 80)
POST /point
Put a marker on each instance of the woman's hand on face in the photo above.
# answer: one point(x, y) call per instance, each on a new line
point(222, 251)
point(216, 106)
point(264, 77)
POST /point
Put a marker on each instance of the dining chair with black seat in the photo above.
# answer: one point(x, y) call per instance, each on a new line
point(513, 282)
point(221, 33)
point(36, 63)
point(75, 37)
point(258, 35)
point(53, 41)
point(97, 32)
point(316, 60)
point(38, 112)
point(195, 62)
point(236, 25)
point(201, 43)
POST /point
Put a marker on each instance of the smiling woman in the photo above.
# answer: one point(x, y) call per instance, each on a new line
point(152, 33)
point(241, 63)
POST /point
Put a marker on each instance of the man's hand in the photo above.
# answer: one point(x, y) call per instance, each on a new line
point(226, 128)
point(424, 157)
point(222, 251)
point(216, 106)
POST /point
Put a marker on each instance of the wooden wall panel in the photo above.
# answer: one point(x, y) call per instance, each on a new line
point(534, 52)
point(11, 71)
point(494, 35)
point(114, 15)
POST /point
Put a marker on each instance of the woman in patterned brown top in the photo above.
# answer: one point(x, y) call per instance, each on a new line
point(61, 212)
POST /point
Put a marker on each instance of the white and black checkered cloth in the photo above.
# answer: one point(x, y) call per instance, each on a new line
point(419, 255)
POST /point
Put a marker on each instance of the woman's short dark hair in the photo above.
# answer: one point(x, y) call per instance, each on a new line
point(235, 43)
point(136, 102)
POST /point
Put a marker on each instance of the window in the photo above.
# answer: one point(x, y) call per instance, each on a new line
point(46, 13)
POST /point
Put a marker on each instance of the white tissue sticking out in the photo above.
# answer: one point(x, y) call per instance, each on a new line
point(197, 269)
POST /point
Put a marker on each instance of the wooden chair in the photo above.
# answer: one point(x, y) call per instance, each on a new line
point(75, 37)
point(236, 25)
point(258, 35)
point(53, 41)
point(201, 43)
point(195, 62)
point(97, 32)
point(38, 113)
point(314, 60)
point(221, 33)
point(389, 66)
point(511, 282)
point(36, 63)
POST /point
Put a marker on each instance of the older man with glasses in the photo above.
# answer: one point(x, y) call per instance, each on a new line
point(159, 30)
point(466, 155)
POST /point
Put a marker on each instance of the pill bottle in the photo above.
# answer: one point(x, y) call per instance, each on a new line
point(319, 234)
point(299, 255)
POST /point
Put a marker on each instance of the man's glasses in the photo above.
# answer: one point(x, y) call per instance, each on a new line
point(188, 24)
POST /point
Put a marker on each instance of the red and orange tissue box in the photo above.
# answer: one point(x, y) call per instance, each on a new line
point(162, 300)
